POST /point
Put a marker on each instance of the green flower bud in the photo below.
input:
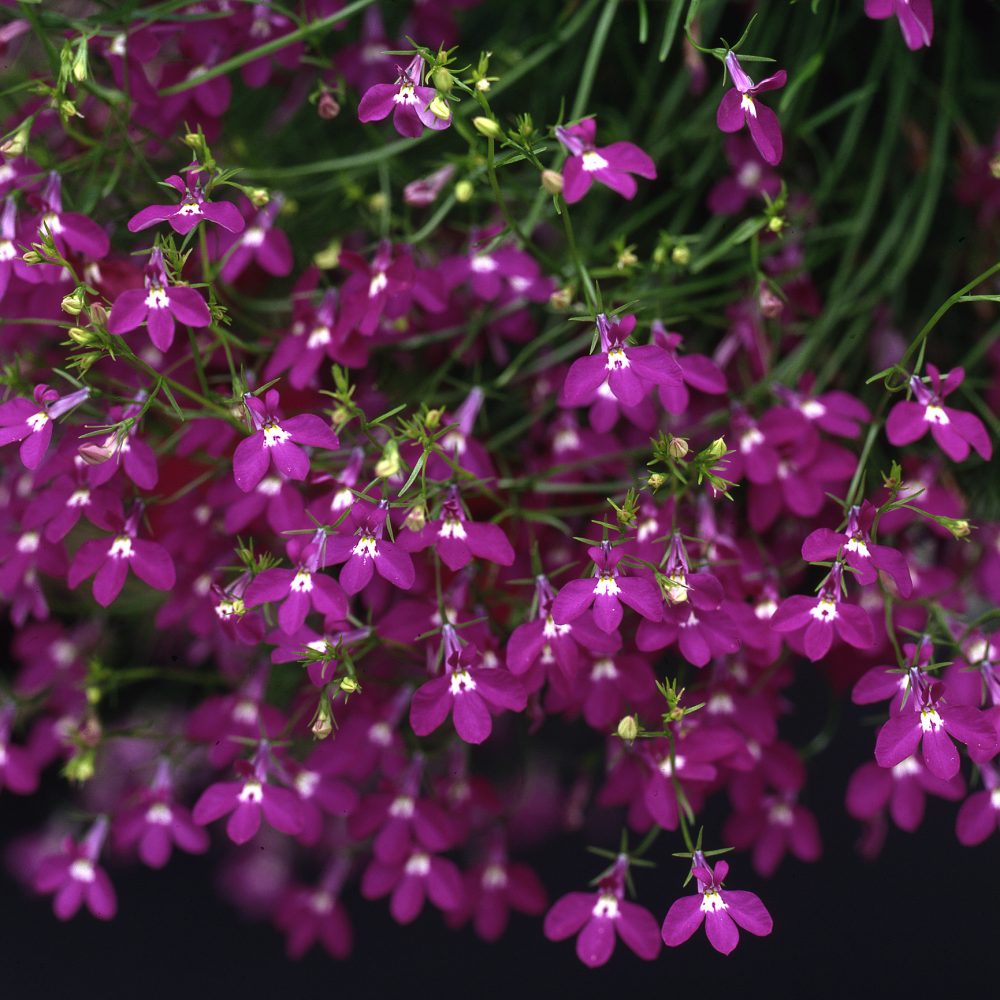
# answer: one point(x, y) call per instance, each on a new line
point(463, 191)
point(487, 127)
point(628, 728)
point(442, 79)
point(552, 181)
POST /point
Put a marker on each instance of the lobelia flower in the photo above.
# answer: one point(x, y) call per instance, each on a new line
point(248, 800)
point(916, 19)
point(696, 370)
point(413, 107)
point(8, 251)
point(157, 823)
point(158, 305)
point(953, 430)
point(261, 243)
point(928, 721)
point(750, 176)
point(858, 550)
point(606, 589)
point(276, 442)
point(411, 881)
point(308, 915)
point(367, 550)
point(76, 878)
point(611, 165)
point(903, 788)
point(466, 690)
point(30, 421)
point(458, 540)
point(424, 191)
point(774, 825)
point(600, 918)
point(822, 617)
point(192, 209)
point(71, 229)
point(979, 815)
point(109, 564)
point(623, 368)
point(738, 108)
point(18, 770)
point(722, 912)
point(299, 590)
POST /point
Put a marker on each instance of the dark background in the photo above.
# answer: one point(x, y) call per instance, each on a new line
point(922, 919)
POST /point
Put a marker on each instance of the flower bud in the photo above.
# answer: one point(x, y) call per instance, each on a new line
point(960, 528)
point(776, 223)
point(680, 255)
point(770, 305)
point(80, 62)
point(716, 450)
point(463, 191)
point(322, 727)
point(80, 767)
point(82, 337)
point(349, 685)
point(192, 140)
point(995, 166)
point(259, 197)
point(416, 519)
point(73, 303)
point(389, 464)
point(67, 109)
point(95, 454)
point(327, 107)
point(552, 181)
point(482, 84)
point(328, 258)
point(677, 448)
point(656, 480)
point(442, 79)
point(31, 257)
point(18, 142)
point(628, 728)
point(487, 127)
point(98, 314)
point(439, 108)
point(561, 298)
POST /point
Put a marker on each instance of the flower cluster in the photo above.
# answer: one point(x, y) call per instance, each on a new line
point(358, 487)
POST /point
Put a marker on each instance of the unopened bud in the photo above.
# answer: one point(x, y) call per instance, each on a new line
point(463, 191)
point(192, 140)
point(329, 257)
point(95, 454)
point(959, 528)
point(482, 84)
point(677, 448)
point(487, 127)
point(322, 727)
point(18, 142)
point(80, 62)
point(378, 202)
point(656, 480)
point(776, 223)
point(628, 728)
point(389, 464)
point(82, 337)
point(442, 79)
point(716, 450)
point(327, 107)
point(439, 108)
point(432, 419)
point(259, 197)
point(93, 693)
point(349, 685)
point(552, 181)
point(561, 298)
point(31, 257)
point(67, 109)
point(73, 303)
point(416, 519)
point(680, 255)
point(80, 767)
point(98, 314)
point(770, 305)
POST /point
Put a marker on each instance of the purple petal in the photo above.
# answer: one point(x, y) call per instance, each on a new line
point(641, 595)
point(940, 754)
point(583, 379)
point(766, 133)
point(898, 738)
point(395, 565)
point(250, 462)
point(150, 216)
point(160, 324)
point(638, 929)
point(487, 541)
point(568, 915)
point(730, 116)
point(749, 912)
point(576, 180)
point(128, 311)
point(501, 688)
point(905, 423)
point(109, 580)
point(188, 306)
point(216, 801)
point(290, 460)
point(377, 102)
point(683, 918)
point(282, 809)
point(628, 157)
point(84, 235)
point(244, 822)
point(153, 565)
point(308, 429)
point(430, 706)
point(225, 214)
point(976, 820)
point(596, 942)
point(473, 722)
point(721, 931)
point(574, 598)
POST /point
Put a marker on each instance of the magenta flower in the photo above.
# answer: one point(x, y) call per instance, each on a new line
point(902, 788)
point(916, 19)
point(611, 165)
point(722, 912)
point(71, 229)
point(858, 550)
point(192, 209)
point(308, 915)
point(261, 242)
point(606, 589)
point(158, 305)
point(466, 692)
point(738, 108)
point(30, 421)
point(458, 540)
point(599, 918)
point(368, 551)
point(76, 878)
point(247, 801)
point(411, 881)
point(928, 721)
point(277, 443)
point(413, 107)
point(750, 176)
point(150, 561)
point(18, 770)
point(627, 370)
point(953, 430)
point(156, 823)
point(822, 617)
point(979, 815)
